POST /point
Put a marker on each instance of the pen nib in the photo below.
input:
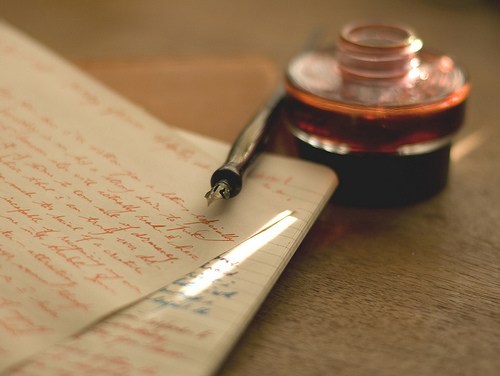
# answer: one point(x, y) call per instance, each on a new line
point(220, 190)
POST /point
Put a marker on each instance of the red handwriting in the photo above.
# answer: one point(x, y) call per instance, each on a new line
point(118, 181)
point(61, 274)
point(73, 254)
point(86, 95)
point(147, 200)
point(71, 301)
point(17, 324)
point(78, 223)
point(122, 115)
point(26, 212)
point(119, 201)
point(128, 263)
point(272, 178)
point(202, 225)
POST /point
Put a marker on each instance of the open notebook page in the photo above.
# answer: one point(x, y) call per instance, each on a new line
point(100, 203)
point(189, 326)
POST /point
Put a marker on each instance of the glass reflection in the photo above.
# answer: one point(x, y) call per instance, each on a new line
point(466, 145)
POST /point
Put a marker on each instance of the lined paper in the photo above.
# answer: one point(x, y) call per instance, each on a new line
point(100, 203)
point(189, 326)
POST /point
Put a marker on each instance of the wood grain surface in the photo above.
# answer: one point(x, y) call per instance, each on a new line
point(413, 290)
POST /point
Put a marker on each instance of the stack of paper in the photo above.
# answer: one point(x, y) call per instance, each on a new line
point(110, 260)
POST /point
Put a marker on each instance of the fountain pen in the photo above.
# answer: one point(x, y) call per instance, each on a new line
point(227, 180)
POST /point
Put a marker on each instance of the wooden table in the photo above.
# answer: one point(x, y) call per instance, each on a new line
point(408, 290)
point(403, 291)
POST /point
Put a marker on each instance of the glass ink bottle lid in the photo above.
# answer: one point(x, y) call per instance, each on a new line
point(380, 110)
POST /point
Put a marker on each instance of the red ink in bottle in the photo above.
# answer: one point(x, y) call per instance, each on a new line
point(380, 110)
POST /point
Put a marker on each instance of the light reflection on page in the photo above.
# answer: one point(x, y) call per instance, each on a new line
point(223, 265)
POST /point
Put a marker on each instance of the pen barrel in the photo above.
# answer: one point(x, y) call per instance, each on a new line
point(242, 154)
point(250, 142)
point(247, 147)
point(254, 136)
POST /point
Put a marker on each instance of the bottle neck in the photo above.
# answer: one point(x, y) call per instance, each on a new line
point(377, 50)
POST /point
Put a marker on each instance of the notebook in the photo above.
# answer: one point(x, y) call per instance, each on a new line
point(110, 259)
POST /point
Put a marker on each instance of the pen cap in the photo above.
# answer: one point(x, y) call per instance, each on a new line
point(380, 110)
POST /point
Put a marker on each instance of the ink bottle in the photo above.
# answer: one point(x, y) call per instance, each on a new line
point(380, 110)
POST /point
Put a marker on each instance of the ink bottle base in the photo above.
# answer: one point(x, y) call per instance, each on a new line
point(383, 180)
